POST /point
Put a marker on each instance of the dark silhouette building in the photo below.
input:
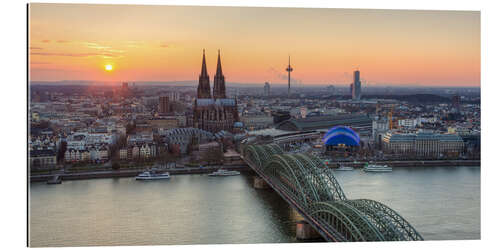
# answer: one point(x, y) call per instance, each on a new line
point(356, 86)
point(219, 81)
point(163, 105)
point(267, 89)
point(125, 91)
point(456, 102)
point(280, 116)
point(218, 112)
point(204, 81)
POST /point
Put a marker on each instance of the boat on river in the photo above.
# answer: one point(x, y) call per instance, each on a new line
point(377, 168)
point(152, 175)
point(344, 168)
point(224, 172)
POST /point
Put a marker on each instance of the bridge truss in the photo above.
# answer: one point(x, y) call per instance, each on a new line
point(310, 187)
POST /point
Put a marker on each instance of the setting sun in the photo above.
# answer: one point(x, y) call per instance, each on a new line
point(108, 67)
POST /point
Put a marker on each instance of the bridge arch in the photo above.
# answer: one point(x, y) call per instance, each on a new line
point(261, 154)
point(313, 188)
point(325, 182)
point(396, 227)
point(284, 172)
point(373, 220)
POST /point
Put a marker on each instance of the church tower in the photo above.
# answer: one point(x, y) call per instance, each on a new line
point(219, 82)
point(204, 81)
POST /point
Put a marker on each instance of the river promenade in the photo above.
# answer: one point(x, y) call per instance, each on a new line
point(180, 169)
point(414, 163)
point(130, 172)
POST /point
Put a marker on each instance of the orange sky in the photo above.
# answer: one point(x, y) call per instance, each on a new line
point(164, 43)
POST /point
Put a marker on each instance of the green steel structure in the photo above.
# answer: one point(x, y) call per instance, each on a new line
point(310, 187)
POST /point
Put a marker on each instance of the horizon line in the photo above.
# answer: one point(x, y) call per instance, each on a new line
point(301, 85)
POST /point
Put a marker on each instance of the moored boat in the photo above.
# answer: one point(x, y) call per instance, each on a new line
point(377, 168)
point(344, 168)
point(152, 175)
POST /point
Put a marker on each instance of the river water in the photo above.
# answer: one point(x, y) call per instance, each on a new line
point(442, 203)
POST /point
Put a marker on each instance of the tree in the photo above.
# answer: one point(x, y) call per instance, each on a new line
point(174, 149)
point(130, 128)
point(166, 158)
point(115, 166)
point(213, 155)
point(114, 149)
point(61, 151)
point(193, 144)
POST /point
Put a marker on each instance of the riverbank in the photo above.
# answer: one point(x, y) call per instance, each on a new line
point(130, 173)
point(416, 163)
point(208, 169)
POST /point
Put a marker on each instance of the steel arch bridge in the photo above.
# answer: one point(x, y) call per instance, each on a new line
point(311, 188)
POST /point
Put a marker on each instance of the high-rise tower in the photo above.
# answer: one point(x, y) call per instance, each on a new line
point(289, 69)
point(163, 105)
point(267, 89)
point(204, 81)
point(356, 86)
point(219, 81)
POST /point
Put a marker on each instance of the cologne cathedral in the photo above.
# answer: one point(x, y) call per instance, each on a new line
point(214, 111)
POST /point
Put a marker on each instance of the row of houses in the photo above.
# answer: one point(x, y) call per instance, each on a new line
point(139, 151)
point(42, 159)
point(93, 154)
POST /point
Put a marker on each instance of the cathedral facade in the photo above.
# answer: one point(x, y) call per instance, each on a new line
point(214, 111)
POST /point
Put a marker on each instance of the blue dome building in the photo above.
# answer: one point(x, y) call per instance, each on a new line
point(341, 136)
point(238, 125)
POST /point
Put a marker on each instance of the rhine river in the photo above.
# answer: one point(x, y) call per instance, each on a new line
point(442, 203)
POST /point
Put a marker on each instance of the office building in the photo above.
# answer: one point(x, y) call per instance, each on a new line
point(267, 89)
point(356, 86)
point(163, 105)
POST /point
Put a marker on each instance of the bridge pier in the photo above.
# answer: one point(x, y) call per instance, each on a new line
point(259, 183)
point(304, 231)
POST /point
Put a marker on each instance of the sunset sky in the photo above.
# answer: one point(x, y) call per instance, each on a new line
point(165, 43)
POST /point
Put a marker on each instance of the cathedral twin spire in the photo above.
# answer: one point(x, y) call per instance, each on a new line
point(219, 90)
point(204, 82)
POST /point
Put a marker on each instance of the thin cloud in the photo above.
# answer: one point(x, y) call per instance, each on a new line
point(40, 63)
point(104, 55)
point(283, 76)
point(59, 70)
point(104, 51)
point(164, 45)
point(114, 51)
point(133, 44)
point(96, 46)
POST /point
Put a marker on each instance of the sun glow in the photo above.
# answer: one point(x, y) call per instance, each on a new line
point(108, 67)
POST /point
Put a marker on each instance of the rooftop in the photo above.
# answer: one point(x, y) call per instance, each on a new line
point(321, 122)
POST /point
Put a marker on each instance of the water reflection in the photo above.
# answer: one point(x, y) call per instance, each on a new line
point(441, 203)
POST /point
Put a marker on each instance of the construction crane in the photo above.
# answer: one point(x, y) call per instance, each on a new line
point(389, 117)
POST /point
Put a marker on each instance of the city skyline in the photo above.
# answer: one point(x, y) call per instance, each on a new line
point(389, 47)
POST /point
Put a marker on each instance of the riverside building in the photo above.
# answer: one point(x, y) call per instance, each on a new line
point(423, 144)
